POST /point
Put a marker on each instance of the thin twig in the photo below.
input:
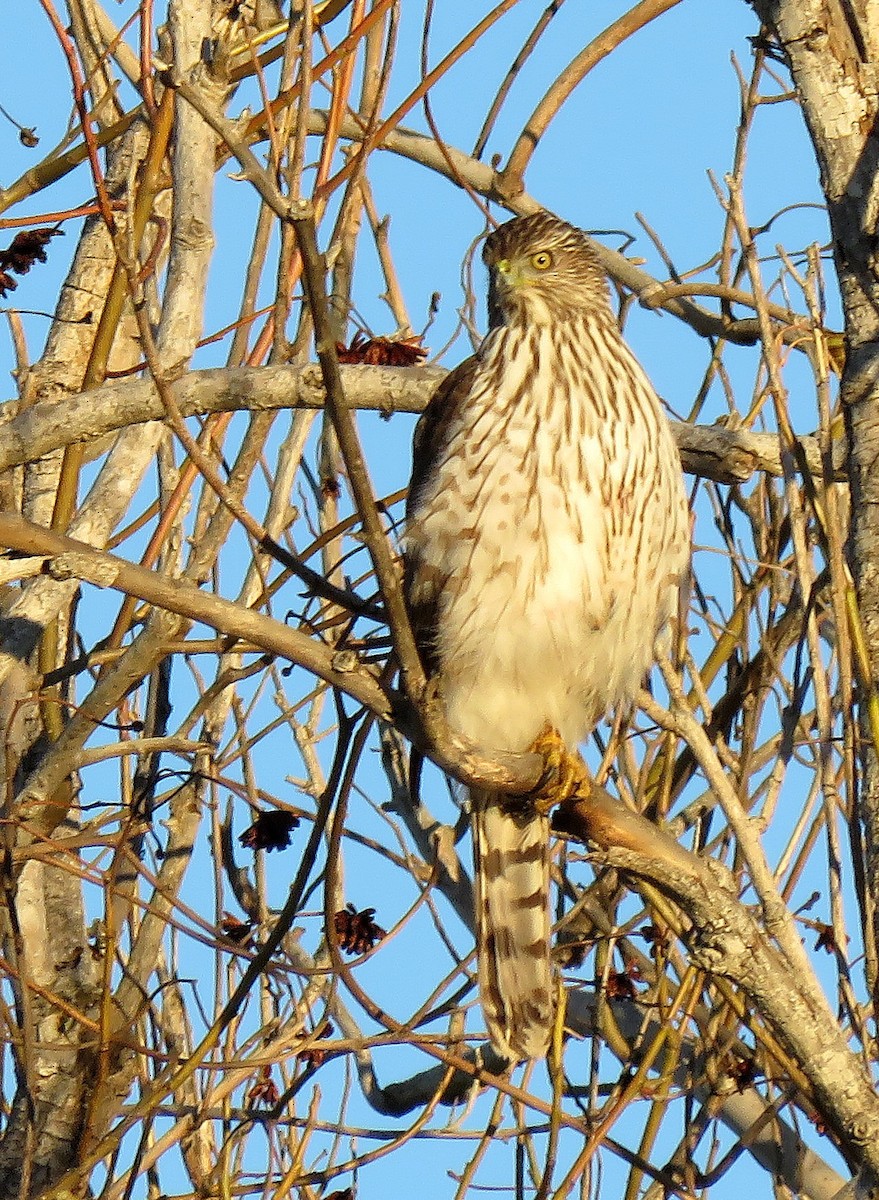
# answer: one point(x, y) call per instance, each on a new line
point(386, 570)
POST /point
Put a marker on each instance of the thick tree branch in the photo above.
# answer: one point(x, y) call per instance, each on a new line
point(709, 451)
point(724, 939)
point(461, 169)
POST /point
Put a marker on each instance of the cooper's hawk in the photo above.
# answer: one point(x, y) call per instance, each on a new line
point(547, 534)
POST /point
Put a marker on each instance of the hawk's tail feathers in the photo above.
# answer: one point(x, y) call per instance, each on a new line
point(516, 984)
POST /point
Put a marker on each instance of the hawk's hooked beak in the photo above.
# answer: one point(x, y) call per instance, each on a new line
point(510, 274)
point(504, 277)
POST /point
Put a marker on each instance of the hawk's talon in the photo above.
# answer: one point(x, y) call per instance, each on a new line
point(564, 775)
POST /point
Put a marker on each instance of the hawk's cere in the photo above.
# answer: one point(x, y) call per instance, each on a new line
point(546, 540)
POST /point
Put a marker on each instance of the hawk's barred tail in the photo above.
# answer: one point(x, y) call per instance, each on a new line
point(516, 983)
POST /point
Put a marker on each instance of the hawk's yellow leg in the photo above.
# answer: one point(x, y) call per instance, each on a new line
point(565, 774)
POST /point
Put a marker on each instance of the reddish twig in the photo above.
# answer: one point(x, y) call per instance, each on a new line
point(146, 55)
point(69, 50)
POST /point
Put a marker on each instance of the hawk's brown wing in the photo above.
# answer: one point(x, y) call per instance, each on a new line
point(433, 425)
point(422, 582)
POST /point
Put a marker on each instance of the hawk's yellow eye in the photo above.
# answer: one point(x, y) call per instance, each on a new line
point(542, 260)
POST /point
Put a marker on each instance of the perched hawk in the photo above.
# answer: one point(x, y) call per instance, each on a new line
point(547, 535)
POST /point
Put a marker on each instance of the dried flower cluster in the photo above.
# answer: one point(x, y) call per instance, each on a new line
point(240, 932)
point(264, 1091)
point(382, 351)
point(270, 831)
point(314, 1056)
point(357, 931)
point(25, 249)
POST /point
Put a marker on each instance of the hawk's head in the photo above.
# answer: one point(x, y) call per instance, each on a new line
point(540, 267)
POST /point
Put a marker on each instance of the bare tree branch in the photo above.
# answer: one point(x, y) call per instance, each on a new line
point(726, 455)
